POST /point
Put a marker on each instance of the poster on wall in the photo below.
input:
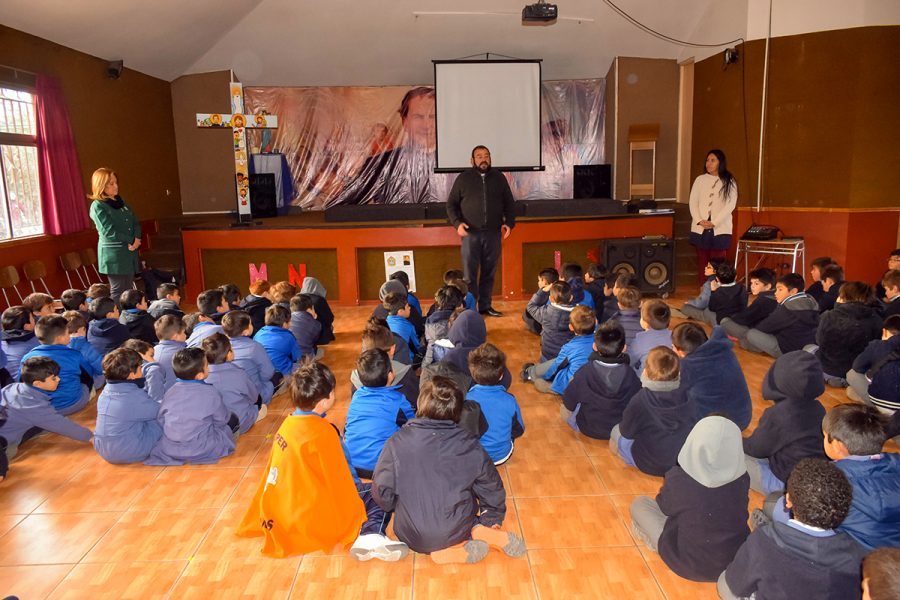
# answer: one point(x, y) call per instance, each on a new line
point(401, 260)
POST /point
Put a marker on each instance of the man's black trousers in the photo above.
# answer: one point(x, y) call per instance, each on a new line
point(480, 256)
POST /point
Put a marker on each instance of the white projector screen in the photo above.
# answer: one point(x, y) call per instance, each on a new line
point(491, 103)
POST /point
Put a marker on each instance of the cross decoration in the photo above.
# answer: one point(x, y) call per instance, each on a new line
point(239, 122)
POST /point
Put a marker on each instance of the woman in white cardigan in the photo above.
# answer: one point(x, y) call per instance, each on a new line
point(713, 198)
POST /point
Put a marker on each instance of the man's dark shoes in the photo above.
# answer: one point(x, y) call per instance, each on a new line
point(490, 312)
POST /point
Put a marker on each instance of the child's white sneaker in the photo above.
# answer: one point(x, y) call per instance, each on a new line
point(263, 411)
point(374, 545)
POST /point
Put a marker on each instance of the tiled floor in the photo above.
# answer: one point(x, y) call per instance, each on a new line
point(72, 526)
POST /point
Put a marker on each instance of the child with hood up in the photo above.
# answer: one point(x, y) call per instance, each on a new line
point(312, 287)
point(467, 332)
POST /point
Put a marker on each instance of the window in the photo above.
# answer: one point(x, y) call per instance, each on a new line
point(20, 196)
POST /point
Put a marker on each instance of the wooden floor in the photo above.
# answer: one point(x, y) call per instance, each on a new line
point(72, 526)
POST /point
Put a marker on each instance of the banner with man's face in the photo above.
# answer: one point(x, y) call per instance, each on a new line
point(375, 145)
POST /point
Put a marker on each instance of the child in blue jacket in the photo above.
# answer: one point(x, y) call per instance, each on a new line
point(553, 376)
point(573, 274)
point(487, 364)
point(279, 343)
point(75, 380)
point(398, 321)
point(18, 337)
point(127, 429)
point(249, 354)
point(237, 390)
point(304, 325)
point(212, 306)
point(377, 411)
point(170, 331)
point(105, 333)
point(78, 341)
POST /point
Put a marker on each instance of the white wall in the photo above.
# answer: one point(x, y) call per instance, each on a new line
point(791, 17)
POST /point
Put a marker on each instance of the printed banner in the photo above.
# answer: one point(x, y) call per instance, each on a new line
point(401, 260)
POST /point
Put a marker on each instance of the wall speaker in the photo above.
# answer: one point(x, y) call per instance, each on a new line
point(263, 198)
point(114, 69)
point(592, 181)
point(651, 260)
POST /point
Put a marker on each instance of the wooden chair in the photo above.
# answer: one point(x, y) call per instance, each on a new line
point(36, 271)
point(9, 277)
point(89, 259)
point(71, 262)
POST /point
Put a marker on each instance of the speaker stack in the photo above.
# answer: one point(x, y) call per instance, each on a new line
point(650, 259)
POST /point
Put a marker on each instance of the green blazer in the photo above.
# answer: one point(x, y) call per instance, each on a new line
point(117, 228)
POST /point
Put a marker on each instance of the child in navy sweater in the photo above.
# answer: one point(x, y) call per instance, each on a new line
point(40, 305)
point(170, 331)
point(594, 282)
point(398, 321)
point(135, 317)
point(232, 295)
point(879, 571)
point(791, 326)
point(168, 301)
point(550, 306)
point(815, 274)
point(256, 302)
point(78, 341)
point(727, 297)
point(876, 351)
point(236, 388)
point(572, 274)
point(105, 333)
point(552, 376)
point(212, 306)
point(891, 285)
point(546, 278)
point(655, 316)
point(75, 380)
point(278, 341)
point(832, 278)
point(846, 330)
point(153, 374)
point(18, 337)
point(487, 365)
point(304, 325)
point(76, 300)
point(762, 286)
point(249, 354)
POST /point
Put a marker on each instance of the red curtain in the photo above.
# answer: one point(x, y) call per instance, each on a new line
point(62, 199)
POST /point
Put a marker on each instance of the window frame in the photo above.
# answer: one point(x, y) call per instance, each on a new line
point(18, 139)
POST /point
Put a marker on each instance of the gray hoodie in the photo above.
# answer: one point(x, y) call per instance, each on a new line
point(713, 453)
point(311, 285)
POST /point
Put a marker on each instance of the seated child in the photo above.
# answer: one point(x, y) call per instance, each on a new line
point(18, 337)
point(250, 354)
point(170, 331)
point(40, 305)
point(880, 574)
point(791, 326)
point(437, 325)
point(467, 332)
point(884, 389)
point(806, 557)
point(304, 326)
point(312, 288)
point(380, 311)
point(553, 317)
point(376, 412)
point(135, 317)
point(893, 263)
point(762, 286)
point(727, 297)
point(611, 293)
point(546, 278)
point(127, 429)
point(791, 429)
point(78, 341)
point(701, 302)
point(594, 400)
point(658, 418)
point(310, 498)
point(256, 302)
point(398, 322)
point(76, 300)
point(277, 340)
point(846, 330)
point(457, 278)
point(168, 301)
point(628, 299)
point(832, 278)
point(415, 307)
point(97, 290)
point(594, 282)
point(75, 380)
point(655, 316)
point(815, 273)
point(238, 392)
point(282, 292)
point(196, 426)
point(487, 364)
point(379, 336)
point(891, 284)
point(447, 494)
point(212, 307)
point(153, 374)
point(105, 333)
point(874, 353)
point(552, 376)
point(572, 274)
point(711, 374)
point(698, 520)
point(232, 295)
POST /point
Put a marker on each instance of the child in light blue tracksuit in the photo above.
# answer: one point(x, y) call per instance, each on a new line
point(655, 316)
point(153, 374)
point(249, 354)
point(237, 390)
point(170, 331)
point(212, 305)
point(18, 337)
point(487, 364)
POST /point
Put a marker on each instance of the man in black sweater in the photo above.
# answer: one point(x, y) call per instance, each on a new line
point(482, 209)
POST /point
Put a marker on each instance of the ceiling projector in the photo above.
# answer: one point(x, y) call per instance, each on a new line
point(540, 12)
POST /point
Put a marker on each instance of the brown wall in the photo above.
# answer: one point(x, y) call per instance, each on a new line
point(205, 156)
point(831, 124)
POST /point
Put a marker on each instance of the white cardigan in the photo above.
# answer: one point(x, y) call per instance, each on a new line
point(707, 203)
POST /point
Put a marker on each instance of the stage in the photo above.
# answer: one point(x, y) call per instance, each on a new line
point(347, 257)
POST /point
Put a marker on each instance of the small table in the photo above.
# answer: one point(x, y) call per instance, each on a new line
point(793, 247)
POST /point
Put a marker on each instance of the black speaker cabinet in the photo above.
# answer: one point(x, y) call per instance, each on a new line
point(263, 198)
point(592, 181)
point(650, 259)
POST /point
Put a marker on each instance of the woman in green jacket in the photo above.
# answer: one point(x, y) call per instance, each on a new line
point(119, 232)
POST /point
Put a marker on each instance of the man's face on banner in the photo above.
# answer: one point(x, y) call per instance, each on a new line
point(419, 123)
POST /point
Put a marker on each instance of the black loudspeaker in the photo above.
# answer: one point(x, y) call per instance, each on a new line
point(592, 181)
point(650, 259)
point(114, 69)
point(263, 198)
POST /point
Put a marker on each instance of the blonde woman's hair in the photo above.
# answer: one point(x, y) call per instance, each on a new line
point(98, 182)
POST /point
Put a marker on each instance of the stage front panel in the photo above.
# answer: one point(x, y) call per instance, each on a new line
point(233, 266)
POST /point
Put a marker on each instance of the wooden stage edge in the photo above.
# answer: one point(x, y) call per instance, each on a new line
point(348, 239)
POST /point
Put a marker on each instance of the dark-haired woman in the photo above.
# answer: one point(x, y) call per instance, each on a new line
point(713, 198)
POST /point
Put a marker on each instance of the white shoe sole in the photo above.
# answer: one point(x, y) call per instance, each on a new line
point(387, 553)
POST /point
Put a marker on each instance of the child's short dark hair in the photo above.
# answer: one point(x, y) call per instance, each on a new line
point(440, 399)
point(448, 297)
point(282, 291)
point(209, 301)
point(570, 270)
point(855, 291)
point(188, 363)
point(260, 287)
point(629, 297)
point(75, 320)
point(891, 279)
point(610, 339)
point(550, 275)
point(834, 272)
point(820, 493)
point(301, 303)
point(72, 299)
point(487, 363)
point(764, 275)
point(98, 290)
point(596, 270)
point(15, 318)
point(582, 320)
point(216, 346)
point(139, 346)
point(792, 281)
point(858, 426)
point(120, 363)
point(36, 301)
point(102, 306)
point(881, 573)
point(190, 321)
point(311, 382)
point(656, 313)
point(38, 368)
point(131, 298)
point(460, 284)
point(725, 273)
point(377, 336)
point(715, 261)
point(625, 279)
point(821, 262)
point(50, 327)
point(235, 323)
point(560, 292)
point(166, 289)
point(687, 337)
point(662, 364)
point(402, 277)
point(395, 302)
point(452, 274)
point(891, 324)
point(277, 315)
point(168, 326)
point(373, 367)
point(231, 292)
